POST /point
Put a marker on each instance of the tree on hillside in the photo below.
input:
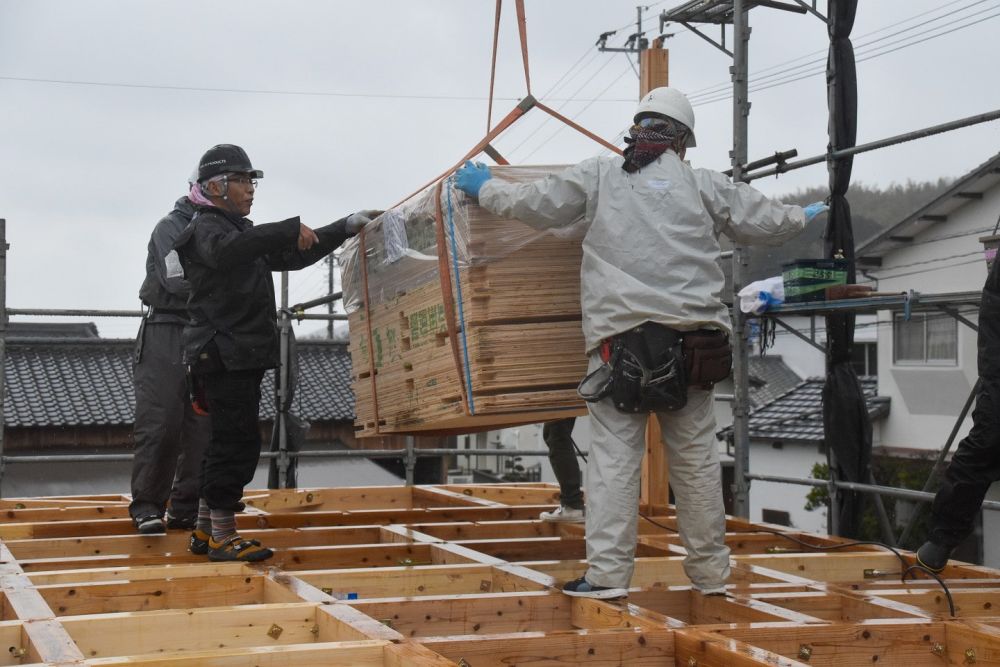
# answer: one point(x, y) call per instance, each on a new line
point(873, 209)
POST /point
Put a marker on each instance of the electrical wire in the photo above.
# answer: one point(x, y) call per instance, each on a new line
point(563, 126)
point(869, 56)
point(907, 567)
point(722, 85)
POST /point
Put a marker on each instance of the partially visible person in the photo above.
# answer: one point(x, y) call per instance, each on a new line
point(232, 336)
point(655, 327)
point(558, 437)
point(976, 463)
point(170, 438)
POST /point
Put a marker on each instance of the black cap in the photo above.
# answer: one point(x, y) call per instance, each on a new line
point(225, 159)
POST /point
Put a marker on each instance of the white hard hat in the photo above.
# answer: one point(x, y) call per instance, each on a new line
point(668, 102)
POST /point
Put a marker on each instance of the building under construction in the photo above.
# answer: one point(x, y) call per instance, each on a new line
point(466, 574)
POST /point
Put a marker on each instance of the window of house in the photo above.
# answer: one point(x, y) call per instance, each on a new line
point(864, 358)
point(926, 339)
point(777, 517)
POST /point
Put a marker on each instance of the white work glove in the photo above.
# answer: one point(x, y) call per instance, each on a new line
point(355, 221)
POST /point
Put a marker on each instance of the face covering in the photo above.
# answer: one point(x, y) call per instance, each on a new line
point(646, 144)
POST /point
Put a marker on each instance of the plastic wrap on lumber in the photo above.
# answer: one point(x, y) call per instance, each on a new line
point(519, 322)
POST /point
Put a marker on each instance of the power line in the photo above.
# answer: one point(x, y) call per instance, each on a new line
point(858, 60)
point(578, 114)
point(562, 106)
point(712, 90)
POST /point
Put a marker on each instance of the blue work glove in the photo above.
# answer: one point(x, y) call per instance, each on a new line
point(470, 177)
point(814, 209)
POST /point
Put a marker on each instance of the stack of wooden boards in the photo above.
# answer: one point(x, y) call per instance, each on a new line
point(461, 320)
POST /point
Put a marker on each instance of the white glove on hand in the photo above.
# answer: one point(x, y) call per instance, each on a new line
point(356, 221)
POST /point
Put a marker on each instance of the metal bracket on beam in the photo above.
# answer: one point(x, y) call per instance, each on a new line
point(811, 9)
point(706, 38)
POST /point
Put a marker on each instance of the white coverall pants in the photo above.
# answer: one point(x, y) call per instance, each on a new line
point(613, 475)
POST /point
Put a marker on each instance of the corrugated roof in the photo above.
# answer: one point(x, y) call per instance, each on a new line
point(55, 382)
point(797, 415)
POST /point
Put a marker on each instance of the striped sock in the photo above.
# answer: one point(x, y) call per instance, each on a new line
point(223, 524)
point(204, 518)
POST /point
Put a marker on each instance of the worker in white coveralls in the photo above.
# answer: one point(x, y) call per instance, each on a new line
point(650, 286)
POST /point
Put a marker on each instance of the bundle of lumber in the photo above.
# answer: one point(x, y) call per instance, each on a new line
point(461, 320)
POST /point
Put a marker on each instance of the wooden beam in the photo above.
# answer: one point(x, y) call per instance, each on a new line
point(655, 487)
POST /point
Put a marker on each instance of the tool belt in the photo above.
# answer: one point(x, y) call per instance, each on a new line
point(650, 367)
point(708, 357)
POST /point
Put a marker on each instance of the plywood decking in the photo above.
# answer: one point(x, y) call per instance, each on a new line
point(456, 575)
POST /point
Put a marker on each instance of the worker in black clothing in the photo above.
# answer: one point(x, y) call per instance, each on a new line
point(976, 463)
point(232, 337)
point(558, 437)
point(169, 436)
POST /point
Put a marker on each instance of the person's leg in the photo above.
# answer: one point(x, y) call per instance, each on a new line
point(159, 415)
point(231, 459)
point(558, 437)
point(195, 434)
point(613, 473)
point(696, 479)
point(974, 467)
point(976, 463)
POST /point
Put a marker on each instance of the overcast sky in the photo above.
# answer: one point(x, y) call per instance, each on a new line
point(105, 107)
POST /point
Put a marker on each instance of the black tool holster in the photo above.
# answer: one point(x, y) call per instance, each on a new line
point(645, 371)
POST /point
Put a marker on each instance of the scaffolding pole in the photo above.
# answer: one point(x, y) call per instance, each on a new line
point(741, 398)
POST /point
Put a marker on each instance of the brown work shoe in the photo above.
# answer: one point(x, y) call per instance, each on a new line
point(236, 548)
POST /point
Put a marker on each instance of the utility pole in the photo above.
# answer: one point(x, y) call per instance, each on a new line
point(652, 61)
point(653, 73)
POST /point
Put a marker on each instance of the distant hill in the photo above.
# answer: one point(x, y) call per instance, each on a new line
point(872, 210)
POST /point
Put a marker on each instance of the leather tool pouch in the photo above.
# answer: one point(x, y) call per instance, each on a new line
point(708, 357)
point(647, 370)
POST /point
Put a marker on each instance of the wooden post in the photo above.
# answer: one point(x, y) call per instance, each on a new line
point(654, 68)
point(653, 73)
point(655, 482)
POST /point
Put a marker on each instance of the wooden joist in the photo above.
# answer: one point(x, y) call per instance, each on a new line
point(463, 575)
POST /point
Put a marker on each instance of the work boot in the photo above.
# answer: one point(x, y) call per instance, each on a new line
point(199, 543)
point(149, 524)
point(182, 521)
point(563, 514)
point(581, 588)
point(933, 556)
point(238, 549)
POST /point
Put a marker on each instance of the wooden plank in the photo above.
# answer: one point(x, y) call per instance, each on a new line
point(133, 596)
point(885, 642)
point(389, 582)
point(339, 654)
point(509, 494)
point(493, 613)
point(702, 649)
point(636, 647)
point(108, 635)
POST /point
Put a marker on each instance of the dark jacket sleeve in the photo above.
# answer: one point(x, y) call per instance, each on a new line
point(221, 245)
point(330, 238)
point(161, 244)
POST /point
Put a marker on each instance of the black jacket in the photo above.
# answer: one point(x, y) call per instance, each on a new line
point(164, 288)
point(228, 262)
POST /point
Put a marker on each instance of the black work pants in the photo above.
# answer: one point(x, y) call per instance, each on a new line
point(170, 438)
point(976, 463)
point(558, 437)
point(233, 452)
